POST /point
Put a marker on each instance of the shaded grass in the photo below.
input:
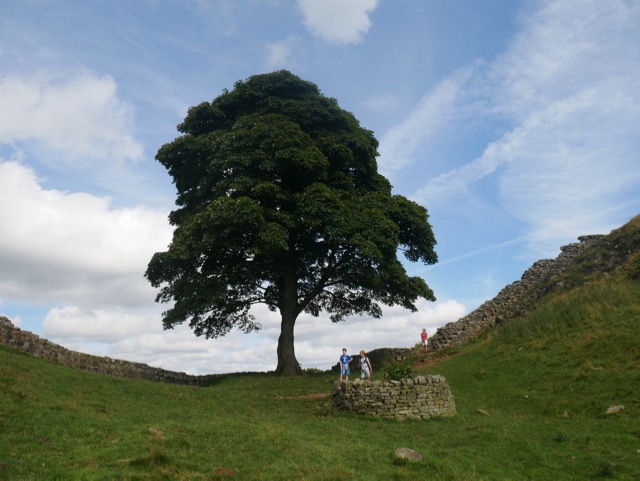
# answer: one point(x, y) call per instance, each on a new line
point(531, 397)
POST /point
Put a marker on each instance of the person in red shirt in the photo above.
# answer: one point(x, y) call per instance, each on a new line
point(424, 336)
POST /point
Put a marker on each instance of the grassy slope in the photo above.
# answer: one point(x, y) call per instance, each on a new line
point(531, 396)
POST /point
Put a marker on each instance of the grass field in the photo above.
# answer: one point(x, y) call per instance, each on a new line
point(532, 398)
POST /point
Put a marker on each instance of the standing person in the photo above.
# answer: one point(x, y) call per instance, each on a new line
point(345, 359)
point(424, 336)
point(365, 366)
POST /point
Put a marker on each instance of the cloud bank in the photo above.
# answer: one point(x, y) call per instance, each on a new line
point(564, 101)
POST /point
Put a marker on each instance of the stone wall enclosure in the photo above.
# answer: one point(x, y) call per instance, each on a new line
point(421, 397)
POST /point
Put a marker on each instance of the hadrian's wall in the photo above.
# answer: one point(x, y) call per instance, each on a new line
point(512, 301)
point(28, 342)
point(421, 397)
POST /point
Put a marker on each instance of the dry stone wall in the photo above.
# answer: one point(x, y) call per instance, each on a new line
point(28, 342)
point(512, 301)
point(421, 397)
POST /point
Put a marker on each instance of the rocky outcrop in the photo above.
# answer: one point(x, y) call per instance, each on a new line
point(421, 397)
point(513, 300)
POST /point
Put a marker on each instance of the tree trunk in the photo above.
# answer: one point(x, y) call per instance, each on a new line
point(287, 363)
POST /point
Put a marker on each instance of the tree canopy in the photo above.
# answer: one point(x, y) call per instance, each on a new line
point(279, 202)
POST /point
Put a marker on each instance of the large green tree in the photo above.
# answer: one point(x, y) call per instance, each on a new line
point(279, 202)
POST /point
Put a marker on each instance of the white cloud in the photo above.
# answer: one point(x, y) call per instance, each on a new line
point(568, 86)
point(74, 323)
point(433, 114)
point(477, 252)
point(572, 161)
point(454, 182)
point(279, 53)
point(562, 48)
point(78, 114)
point(381, 103)
point(73, 245)
point(138, 336)
point(573, 157)
point(338, 20)
point(318, 341)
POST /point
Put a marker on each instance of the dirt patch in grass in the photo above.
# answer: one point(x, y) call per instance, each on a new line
point(307, 397)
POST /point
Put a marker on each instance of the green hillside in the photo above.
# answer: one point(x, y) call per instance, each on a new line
point(532, 399)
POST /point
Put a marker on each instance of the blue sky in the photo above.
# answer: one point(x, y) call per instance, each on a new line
point(515, 122)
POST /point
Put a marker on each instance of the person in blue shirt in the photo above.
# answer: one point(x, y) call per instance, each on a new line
point(345, 359)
